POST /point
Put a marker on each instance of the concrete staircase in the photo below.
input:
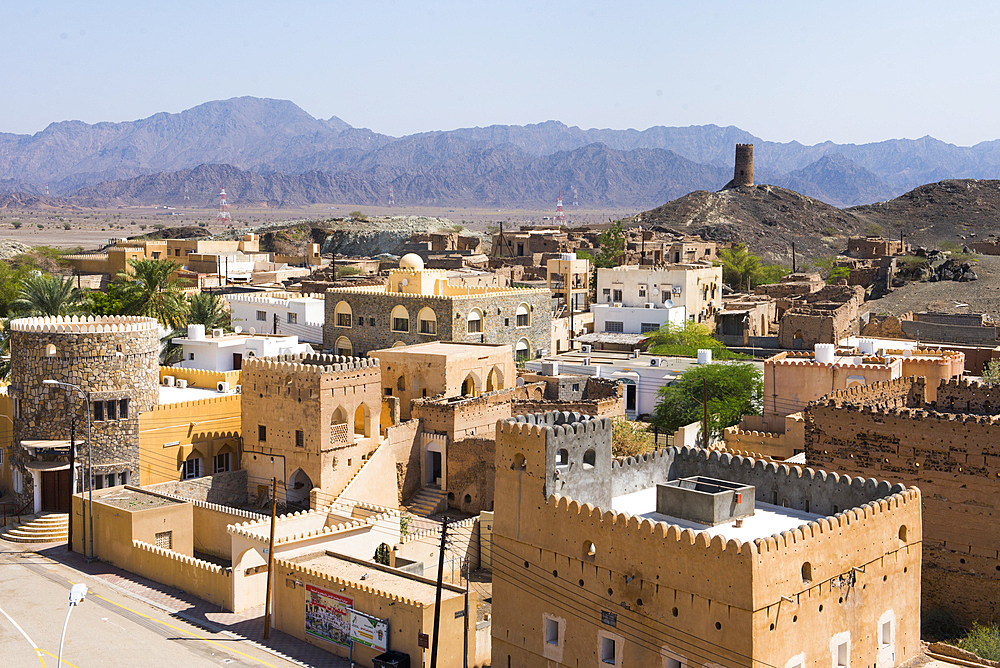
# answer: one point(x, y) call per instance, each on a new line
point(427, 502)
point(49, 528)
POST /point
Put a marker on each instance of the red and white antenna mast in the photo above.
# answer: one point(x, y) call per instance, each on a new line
point(223, 215)
point(46, 189)
point(560, 216)
point(576, 197)
point(186, 198)
point(392, 196)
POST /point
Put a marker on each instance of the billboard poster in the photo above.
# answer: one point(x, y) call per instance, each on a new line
point(328, 616)
point(369, 631)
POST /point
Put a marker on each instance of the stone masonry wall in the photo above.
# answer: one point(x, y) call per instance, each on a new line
point(499, 318)
point(954, 458)
point(110, 359)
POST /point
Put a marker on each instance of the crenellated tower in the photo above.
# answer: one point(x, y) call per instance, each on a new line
point(743, 170)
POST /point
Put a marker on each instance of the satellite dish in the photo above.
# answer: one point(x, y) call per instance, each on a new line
point(238, 329)
point(656, 291)
point(669, 303)
point(520, 382)
point(404, 283)
point(252, 331)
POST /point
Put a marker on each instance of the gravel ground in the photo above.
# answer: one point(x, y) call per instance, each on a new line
point(982, 296)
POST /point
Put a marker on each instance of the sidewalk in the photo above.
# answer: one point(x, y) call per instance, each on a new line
point(248, 625)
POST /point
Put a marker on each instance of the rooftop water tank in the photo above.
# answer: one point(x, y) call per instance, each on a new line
point(704, 356)
point(866, 346)
point(567, 257)
point(825, 352)
point(196, 332)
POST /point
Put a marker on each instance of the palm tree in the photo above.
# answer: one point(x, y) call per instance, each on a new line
point(42, 294)
point(204, 308)
point(150, 291)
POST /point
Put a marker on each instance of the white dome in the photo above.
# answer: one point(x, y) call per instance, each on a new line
point(411, 261)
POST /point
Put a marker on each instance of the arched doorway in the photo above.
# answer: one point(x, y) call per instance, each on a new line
point(469, 385)
point(297, 491)
point(494, 380)
point(362, 421)
point(419, 387)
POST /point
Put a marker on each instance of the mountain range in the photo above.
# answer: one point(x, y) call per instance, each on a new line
point(266, 150)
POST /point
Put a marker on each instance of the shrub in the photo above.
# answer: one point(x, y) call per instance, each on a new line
point(838, 273)
point(17, 224)
point(983, 641)
point(874, 230)
point(686, 340)
point(630, 439)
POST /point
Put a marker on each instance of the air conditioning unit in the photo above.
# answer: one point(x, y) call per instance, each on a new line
point(216, 333)
point(181, 382)
point(654, 361)
point(222, 386)
point(168, 381)
point(650, 305)
point(238, 389)
point(617, 304)
point(585, 348)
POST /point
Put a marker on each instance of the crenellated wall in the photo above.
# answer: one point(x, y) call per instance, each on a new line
point(204, 579)
point(954, 457)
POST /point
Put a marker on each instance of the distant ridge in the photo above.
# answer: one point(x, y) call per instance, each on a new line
point(507, 165)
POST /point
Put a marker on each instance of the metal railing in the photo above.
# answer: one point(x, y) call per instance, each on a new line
point(11, 510)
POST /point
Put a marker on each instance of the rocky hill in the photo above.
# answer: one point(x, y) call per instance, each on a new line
point(509, 165)
point(769, 218)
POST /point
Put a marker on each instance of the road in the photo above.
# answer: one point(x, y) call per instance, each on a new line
point(107, 630)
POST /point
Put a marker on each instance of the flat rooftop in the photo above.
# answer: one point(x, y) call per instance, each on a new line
point(441, 348)
point(624, 362)
point(131, 499)
point(767, 519)
point(392, 583)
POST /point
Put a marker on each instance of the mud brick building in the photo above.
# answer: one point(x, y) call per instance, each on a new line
point(419, 305)
point(115, 360)
point(950, 449)
point(602, 561)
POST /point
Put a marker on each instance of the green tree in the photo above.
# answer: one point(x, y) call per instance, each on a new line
point(11, 280)
point(738, 266)
point(735, 389)
point(42, 294)
point(686, 339)
point(611, 246)
point(150, 291)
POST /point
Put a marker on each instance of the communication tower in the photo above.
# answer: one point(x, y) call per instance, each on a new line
point(560, 216)
point(46, 189)
point(187, 197)
point(576, 197)
point(223, 215)
point(392, 196)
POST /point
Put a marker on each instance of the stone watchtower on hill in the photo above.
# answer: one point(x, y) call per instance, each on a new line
point(743, 170)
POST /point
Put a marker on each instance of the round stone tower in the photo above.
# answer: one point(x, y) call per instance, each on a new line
point(743, 171)
point(115, 360)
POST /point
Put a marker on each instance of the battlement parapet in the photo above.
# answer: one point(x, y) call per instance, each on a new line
point(182, 558)
point(315, 363)
point(272, 298)
point(335, 581)
point(85, 324)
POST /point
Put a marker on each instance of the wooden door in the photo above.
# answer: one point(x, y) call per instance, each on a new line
point(55, 491)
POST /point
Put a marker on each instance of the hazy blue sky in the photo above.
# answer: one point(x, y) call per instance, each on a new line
point(806, 71)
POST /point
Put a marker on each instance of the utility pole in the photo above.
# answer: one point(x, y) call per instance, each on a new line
point(270, 559)
point(437, 594)
point(275, 326)
point(465, 645)
point(793, 257)
point(705, 437)
point(72, 480)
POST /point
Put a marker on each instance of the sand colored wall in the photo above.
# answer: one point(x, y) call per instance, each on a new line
point(792, 380)
point(683, 595)
point(205, 378)
point(403, 441)
point(373, 483)
point(116, 528)
point(407, 618)
point(750, 436)
point(201, 428)
point(205, 580)
point(955, 460)
point(442, 369)
point(335, 401)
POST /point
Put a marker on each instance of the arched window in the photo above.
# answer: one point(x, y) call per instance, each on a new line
point(400, 319)
point(50, 350)
point(428, 321)
point(344, 346)
point(522, 350)
point(807, 572)
point(344, 314)
point(401, 383)
point(523, 315)
point(475, 321)
point(589, 459)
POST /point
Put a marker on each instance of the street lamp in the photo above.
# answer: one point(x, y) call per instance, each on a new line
point(90, 466)
point(76, 596)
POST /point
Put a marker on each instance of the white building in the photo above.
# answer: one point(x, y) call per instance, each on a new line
point(634, 299)
point(297, 314)
point(226, 352)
